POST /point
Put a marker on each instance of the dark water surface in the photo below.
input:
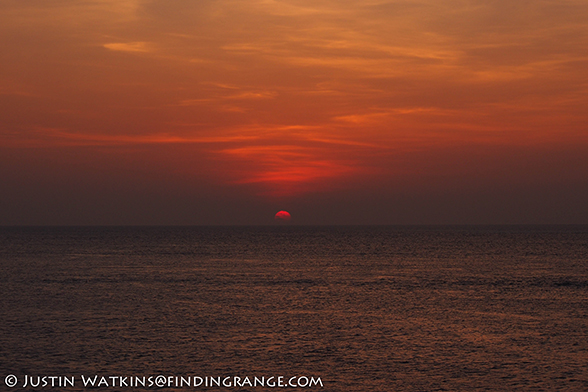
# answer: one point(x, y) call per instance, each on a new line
point(364, 308)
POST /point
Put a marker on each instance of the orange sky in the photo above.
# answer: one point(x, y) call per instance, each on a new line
point(224, 112)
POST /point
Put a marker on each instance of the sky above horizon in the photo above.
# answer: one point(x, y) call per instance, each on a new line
point(133, 112)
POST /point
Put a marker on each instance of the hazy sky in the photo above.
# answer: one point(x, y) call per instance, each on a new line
point(340, 112)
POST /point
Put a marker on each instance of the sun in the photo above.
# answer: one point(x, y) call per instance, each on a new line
point(282, 216)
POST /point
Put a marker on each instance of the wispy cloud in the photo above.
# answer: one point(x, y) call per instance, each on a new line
point(287, 170)
point(47, 137)
point(142, 47)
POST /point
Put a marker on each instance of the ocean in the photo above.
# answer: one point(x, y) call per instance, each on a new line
point(381, 308)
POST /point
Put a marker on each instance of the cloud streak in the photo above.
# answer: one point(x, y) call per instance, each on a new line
point(140, 47)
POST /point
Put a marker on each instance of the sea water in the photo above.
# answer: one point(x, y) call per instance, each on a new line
point(356, 308)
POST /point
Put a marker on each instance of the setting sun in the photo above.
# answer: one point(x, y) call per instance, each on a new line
point(282, 216)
